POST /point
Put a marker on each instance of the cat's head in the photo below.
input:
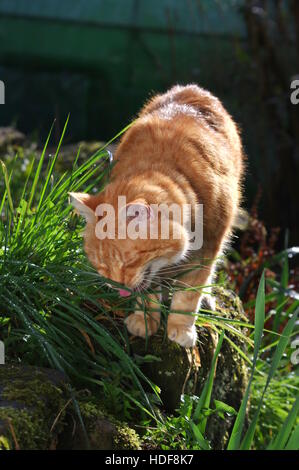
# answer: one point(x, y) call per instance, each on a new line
point(123, 259)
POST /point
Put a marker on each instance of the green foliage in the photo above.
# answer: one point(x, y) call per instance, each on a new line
point(49, 296)
point(278, 401)
point(175, 432)
point(180, 432)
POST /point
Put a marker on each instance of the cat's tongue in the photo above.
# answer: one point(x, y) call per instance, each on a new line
point(124, 293)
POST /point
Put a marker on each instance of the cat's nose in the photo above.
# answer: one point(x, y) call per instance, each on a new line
point(124, 292)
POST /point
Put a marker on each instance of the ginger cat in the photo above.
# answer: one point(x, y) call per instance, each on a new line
point(184, 148)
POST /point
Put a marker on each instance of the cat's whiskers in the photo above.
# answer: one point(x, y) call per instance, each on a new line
point(195, 263)
point(156, 281)
point(176, 282)
point(181, 269)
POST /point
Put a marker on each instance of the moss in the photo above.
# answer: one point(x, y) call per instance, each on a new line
point(30, 393)
point(89, 410)
point(126, 438)
point(232, 371)
point(28, 427)
point(31, 400)
point(230, 306)
point(105, 431)
point(4, 444)
point(228, 303)
point(170, 372)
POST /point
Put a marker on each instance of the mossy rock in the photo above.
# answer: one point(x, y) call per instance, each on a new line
point(30, 400)
point(231, 377)
point(10, 137)
point(177, 370)
point(102, 430)
point(36, 412)
point(170, 367)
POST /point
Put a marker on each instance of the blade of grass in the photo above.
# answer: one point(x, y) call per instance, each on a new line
point(235, 438)
point(204, 444)
point(284, 284)
point(293, 443)
point(50, 171)
point(282, 437)
point(38, 170)
point(283, 341)
point(6, 181)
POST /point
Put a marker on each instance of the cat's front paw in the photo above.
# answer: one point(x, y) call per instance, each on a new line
point(184, 335)
point(137, 325)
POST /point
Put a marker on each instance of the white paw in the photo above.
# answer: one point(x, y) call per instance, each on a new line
point(136, 325)
point(184, 335)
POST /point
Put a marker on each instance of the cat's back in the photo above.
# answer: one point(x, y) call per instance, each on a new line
point(186, 137)
point(190, 100)
point(196, 113)
point(188, 131)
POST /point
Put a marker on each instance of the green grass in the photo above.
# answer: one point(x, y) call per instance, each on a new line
point(49, 295)
point(51, 301)
point(272, 426)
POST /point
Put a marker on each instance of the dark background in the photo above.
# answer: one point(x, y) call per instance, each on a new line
point(100, 59)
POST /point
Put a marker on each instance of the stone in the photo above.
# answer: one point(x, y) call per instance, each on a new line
point(36, 412)
point(30, 400)
point(103, 431)
point(10, 136)
point(177, 371)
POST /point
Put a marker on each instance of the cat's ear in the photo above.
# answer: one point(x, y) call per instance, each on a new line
point(84, 204)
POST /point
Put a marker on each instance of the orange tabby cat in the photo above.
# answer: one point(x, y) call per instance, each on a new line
point(184, 148)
